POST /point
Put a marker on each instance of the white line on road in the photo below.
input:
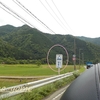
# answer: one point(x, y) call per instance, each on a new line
point(58, 95)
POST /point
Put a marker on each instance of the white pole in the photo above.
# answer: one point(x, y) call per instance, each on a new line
point(58, 71)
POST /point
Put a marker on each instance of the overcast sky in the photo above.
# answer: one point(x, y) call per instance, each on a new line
point(74, 17)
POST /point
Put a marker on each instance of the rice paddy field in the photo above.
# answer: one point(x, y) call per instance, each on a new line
point(30, 70)
point(27, 70)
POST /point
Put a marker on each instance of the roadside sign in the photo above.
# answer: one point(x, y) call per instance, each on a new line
point(74, 56)
point(74, 59)
point(59, 60)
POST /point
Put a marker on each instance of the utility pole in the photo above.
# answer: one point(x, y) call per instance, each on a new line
point(83, 58)
point(79, 57)
point(74, 54)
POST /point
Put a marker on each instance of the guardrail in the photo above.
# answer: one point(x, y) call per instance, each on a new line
point(14, 90)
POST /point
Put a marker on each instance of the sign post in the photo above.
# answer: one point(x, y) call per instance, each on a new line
point(59, 61)
point(74, 60)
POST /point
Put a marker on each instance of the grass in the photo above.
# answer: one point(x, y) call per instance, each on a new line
point(26, 70)
point(29, 70)
point(34, 70)
point(42, 92)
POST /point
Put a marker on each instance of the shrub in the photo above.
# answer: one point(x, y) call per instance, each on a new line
point(76, 74)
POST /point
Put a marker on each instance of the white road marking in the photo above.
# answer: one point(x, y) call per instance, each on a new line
point(58, 95)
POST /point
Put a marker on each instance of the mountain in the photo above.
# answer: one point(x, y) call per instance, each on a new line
point(30, 40)
point(95, 41)
point(26, 43)
point(7, 50)
point(6, 29)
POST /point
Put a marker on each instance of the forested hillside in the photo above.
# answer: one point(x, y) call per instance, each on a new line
point(25, 43)
point(95, 41)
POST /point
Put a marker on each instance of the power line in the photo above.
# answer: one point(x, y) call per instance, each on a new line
point(29, 12)
point(12, 14)
point(61, 15)
point(64, 27)
point(16, 14)
point(51, 14)
point(32, 15)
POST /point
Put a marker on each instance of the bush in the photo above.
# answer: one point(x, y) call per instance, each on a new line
point(76, 74)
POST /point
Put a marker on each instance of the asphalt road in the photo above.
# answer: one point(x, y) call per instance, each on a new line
point(57, 95)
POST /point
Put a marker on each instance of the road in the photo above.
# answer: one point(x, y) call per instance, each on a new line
point(57, 95)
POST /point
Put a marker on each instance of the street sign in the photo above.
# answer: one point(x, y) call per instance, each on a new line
point(74, 59)
point(59, 60)
point(74, 56)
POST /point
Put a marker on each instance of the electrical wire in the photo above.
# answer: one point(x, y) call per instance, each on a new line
point(62, 16)
point(64, 27)
point(17, 15)
point(12, 14)
point(52, 15)
point(32, 15)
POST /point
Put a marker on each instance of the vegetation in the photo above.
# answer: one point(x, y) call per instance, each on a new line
point(95, 41)
point(28, 45)
point(42, 92)
point(30, 70)
point(26, 70)
point(23, 52)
